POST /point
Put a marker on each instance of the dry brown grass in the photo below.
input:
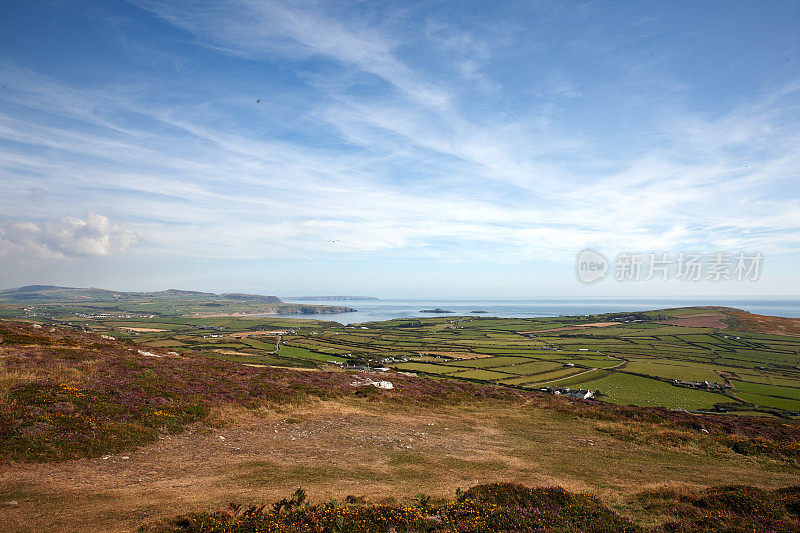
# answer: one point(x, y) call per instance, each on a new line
point(69, 375)
point(10, 378)
point(336, 448)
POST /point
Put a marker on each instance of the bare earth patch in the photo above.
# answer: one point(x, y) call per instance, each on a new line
point(143, 330)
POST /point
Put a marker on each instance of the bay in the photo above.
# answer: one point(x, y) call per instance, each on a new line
point(389, 308)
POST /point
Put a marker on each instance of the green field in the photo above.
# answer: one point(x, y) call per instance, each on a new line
point(770, 401)
point(429, 368)
point(623, 388)
point(769, 390)
point(489, 362)
point(481, 374)
point(533, 367)
point(674, 370)
point(303, 353)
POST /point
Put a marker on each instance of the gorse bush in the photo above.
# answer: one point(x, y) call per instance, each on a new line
point(509, 507)
point(484, 508)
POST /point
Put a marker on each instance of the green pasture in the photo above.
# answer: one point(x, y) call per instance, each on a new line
point(427, 367)
point(480, 374)
point(259, 344)
point(303, 353)
point(627, 389)
point(533, 367)
point(488, 362)
point(770, 401)
point(769, 390)
point(674, 370)
point(554, 375)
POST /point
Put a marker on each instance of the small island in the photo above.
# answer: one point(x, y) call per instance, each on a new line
point(479, 311)
point(437, 310)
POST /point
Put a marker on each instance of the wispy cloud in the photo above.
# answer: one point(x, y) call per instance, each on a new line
point(383, 156)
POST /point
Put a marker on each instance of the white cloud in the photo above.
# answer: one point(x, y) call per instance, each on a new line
point(414, 173)
point(95, 235)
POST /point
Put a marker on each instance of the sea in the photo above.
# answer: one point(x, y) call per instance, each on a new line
point(389, 308)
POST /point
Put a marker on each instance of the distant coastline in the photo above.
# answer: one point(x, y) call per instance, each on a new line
point(54, 299)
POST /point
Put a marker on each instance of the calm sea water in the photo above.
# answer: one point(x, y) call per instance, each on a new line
point(385, 309)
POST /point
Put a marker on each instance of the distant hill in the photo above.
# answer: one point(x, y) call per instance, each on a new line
point(35, 288)
point(52, 300)
point(251, 298)
point(179, 293)
point(54, 292)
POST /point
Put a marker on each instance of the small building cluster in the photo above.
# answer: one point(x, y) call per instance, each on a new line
point(580, 394)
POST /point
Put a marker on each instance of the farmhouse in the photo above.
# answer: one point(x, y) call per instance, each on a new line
point(572, 393)
point(578, 393)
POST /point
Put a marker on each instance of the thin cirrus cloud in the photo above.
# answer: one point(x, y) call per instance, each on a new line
point(368, 152)
point(652, 196)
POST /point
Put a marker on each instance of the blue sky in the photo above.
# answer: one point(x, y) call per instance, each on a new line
point(395, 148)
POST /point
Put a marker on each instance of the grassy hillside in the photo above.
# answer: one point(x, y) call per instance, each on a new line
point(101, 434)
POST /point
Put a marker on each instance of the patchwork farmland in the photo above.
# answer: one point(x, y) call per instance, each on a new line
point(703, 358)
